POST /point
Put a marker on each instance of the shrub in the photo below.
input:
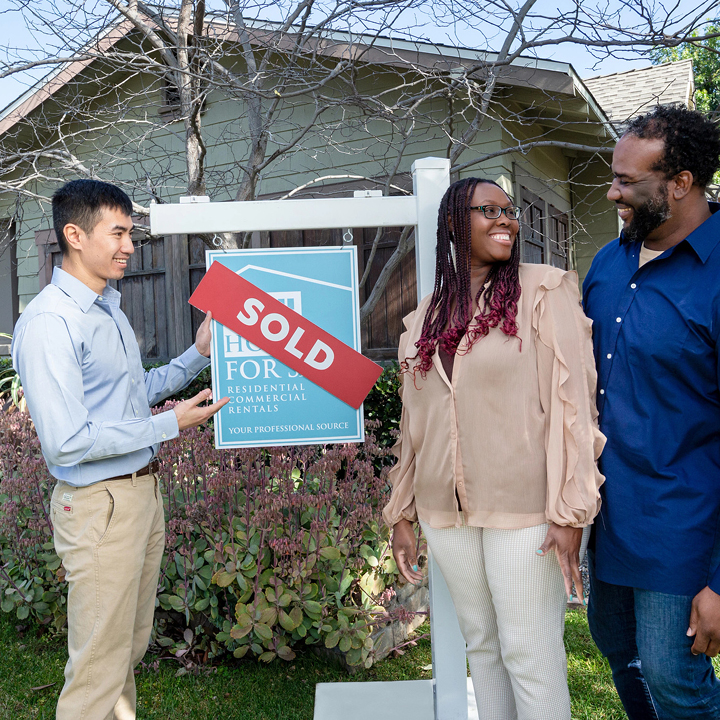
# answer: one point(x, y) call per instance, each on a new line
point(267, 549)
point(383, 405)
point(29, 577)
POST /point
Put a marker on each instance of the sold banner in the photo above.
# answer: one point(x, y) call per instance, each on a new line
point(285, 346)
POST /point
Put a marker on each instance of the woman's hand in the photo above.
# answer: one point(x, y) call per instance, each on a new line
point(404, 546)
point(565, 541)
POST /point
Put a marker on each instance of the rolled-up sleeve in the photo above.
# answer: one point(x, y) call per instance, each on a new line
point(50, 369)
point(568, 381)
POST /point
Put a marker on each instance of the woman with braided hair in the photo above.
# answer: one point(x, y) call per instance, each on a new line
point(497, 450)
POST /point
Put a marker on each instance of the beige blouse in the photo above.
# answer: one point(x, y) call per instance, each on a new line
point(514, 433)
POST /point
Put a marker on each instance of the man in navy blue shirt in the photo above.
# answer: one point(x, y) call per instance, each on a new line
point(654, 298)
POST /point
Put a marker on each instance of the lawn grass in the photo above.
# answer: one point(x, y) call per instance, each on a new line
point(247, 690)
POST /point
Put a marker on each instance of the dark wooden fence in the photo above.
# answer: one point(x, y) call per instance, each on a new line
point(163, 273)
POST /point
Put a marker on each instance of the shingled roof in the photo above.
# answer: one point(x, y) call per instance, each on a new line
point(624, 95)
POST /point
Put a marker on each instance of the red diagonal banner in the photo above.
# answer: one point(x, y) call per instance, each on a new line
point(286, 335)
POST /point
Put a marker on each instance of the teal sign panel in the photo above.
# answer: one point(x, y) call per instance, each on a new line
point(271, 404)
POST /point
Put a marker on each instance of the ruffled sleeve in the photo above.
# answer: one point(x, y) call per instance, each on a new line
point(568, 380)
point(402, 476)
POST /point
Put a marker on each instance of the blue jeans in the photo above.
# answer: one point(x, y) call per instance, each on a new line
point(642, 633)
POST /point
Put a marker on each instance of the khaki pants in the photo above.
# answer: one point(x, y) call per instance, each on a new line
point(110, 537)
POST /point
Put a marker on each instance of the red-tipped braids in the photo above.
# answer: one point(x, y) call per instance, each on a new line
point(447, 318)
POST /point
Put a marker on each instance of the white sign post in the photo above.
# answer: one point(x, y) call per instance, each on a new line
point(445, 697)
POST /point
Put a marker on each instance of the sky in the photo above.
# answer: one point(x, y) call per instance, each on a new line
point(14, 34)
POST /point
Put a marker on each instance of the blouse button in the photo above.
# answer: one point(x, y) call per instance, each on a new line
point(618, 319)
point(633, 286)
point(609, 355)
point(602, 392)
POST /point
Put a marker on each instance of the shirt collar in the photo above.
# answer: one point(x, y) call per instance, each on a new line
point(704, 239)
point(80, 292)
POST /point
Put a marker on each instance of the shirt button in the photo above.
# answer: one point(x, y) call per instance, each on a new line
point(164, 436)
point(618, 319)
point(633, 286)
point(460, 482)
point(602, 392)
point(609, 355)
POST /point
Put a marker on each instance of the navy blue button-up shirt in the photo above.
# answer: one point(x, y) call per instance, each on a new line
point(655, 333)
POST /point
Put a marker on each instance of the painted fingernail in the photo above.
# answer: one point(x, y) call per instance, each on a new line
point(415, 568)
point(538, 551)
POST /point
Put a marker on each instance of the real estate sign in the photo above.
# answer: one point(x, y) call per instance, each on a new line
point(271, 403)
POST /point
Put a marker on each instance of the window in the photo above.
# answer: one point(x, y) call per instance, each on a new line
point(544, 232)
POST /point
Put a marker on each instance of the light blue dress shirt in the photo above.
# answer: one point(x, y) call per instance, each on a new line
point(85, 386)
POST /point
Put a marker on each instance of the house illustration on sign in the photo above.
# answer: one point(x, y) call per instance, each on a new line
point(236, 346)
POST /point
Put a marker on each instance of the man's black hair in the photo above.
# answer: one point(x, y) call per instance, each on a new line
point(692, 141)
point(80, 202)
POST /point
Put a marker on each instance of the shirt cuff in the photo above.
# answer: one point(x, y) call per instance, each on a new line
point(714, 583)
point(193, 360)
point(165, 425)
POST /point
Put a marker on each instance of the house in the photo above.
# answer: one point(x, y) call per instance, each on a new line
point(625, 95)
point(545, 139)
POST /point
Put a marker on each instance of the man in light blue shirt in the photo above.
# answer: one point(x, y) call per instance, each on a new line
point(90, 400)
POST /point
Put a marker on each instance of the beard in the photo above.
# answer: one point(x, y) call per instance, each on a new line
point(648, 217)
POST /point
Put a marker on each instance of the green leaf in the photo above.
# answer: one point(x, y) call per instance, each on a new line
point(267, 657)
point(241, 651)
point(263, 631)
point(176, 603)
point(345, 583)
point(390, 566)
point(238, 632)
point(296, 615)
point(332, 639)
point(244, 619)
point(202, 604)
point(312, 607)
point(242, 582)
point(22, 612)
point(285, 599)
point(7, 605)
point(222, 578)
point(286, 653)
point(345, 643)
point(286, 621)
point(332, 553)
point(268, 616)
point(310, 591)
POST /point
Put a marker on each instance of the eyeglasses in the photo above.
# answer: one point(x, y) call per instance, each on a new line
point(493, 212)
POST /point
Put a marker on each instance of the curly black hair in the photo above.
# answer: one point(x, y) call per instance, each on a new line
point(692, 141)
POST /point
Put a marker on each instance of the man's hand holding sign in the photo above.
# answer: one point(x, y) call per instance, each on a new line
point(286, 335)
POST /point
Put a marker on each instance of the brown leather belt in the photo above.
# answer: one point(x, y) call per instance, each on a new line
point(149, 469)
